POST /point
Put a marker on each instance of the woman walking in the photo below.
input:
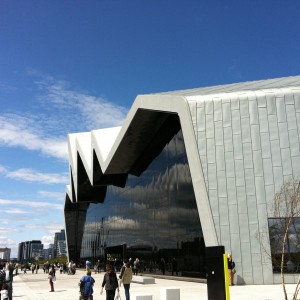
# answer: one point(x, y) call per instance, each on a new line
point(51, 275)
point(126, 277)
point(110, 282)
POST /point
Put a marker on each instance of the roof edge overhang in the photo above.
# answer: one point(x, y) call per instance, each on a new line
point(153, 104)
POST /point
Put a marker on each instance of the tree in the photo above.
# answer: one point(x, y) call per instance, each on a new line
point(283, 232)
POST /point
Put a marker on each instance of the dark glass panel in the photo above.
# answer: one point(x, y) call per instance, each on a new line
point(153, 217)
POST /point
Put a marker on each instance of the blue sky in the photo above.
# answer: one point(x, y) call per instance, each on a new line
point(70, 66)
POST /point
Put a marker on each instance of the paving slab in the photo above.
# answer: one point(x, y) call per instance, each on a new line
point(36, 287)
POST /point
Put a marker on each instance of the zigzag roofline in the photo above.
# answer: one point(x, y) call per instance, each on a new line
point(105, 157)
point(147, 111)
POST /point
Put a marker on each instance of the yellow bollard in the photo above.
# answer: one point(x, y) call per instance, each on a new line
point(226, 276)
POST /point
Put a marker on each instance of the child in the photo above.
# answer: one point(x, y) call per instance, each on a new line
point(4, 292)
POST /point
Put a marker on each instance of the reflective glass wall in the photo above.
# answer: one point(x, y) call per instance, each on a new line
point(291, 245)
point(154, 218)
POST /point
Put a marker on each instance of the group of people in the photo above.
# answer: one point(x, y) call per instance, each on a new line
point(110, 282)
point(63, 268)
point(35, 268)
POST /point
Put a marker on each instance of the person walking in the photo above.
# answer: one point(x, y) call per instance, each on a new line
point(47, 267)
point(65, 268)
point(32, 268)
point(95, 268)
point(51, 277)
point(37, 266)
point(99, 267)
point(73, 268)
point(110, 282)
point(88, 265)
point(126, 277)
point(163, 266)
point(17, 269)
point(174, 266)
point(136, 266)
point(86, 286)
point(9, 279)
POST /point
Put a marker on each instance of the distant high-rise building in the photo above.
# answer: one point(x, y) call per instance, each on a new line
point(30, 249)
point(61, 249)
point(36, 251)
point(49, 253)
point(5, 253)
point(60, 243)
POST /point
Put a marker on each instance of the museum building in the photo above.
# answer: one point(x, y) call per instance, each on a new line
point(187, 170)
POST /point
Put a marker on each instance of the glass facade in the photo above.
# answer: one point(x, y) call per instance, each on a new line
point(153, 217)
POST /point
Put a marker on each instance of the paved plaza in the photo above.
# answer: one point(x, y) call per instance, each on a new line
point(36, 287)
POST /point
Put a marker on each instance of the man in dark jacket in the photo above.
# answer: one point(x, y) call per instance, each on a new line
point(110, 282)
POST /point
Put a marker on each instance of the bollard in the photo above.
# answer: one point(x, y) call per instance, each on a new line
point(169, 293)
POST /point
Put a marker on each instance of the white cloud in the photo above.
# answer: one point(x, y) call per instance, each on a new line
point(14, 211)
point(59, 111)
point(4, 87)
point(54, 195)
point(9, 243)
point(29, 204)
point(99, 113)
point(51, 228)
point(16, 131)
point(89, 112)
point(4, 230)
point(31, 175)
point(3, 169)
point(34, 176)
point(46, 240)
